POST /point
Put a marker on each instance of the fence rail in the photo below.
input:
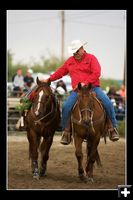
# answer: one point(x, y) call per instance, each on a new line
point(13, 114)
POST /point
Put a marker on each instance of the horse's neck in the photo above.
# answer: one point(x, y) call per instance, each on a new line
point(97, 102)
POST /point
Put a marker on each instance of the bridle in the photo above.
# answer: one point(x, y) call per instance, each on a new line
point(90, 109)
point(45, 116)
point(51, 113)
point(80, 111)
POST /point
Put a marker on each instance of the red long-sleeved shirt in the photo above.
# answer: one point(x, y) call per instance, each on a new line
point(86, 71)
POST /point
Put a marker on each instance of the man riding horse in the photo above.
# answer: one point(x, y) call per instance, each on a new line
point(83, 67)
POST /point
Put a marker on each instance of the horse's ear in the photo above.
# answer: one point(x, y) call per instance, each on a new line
point(79, 86)
point(38, 81)
point(89, 86)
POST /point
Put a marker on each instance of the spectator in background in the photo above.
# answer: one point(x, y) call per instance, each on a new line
point(112, 94)
point(28, 80)
point(61, 84)
point(60, 91)
point(18, 83)
point(122, 92)
point(112, 91)
point(117, 102)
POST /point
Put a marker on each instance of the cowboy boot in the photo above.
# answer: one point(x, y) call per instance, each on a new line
point(66, 136)
point(113, 133)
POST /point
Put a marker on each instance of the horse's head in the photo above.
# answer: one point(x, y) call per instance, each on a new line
point(85, 102)
point(42, 100)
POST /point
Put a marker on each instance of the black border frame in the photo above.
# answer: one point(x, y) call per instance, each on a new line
point(101, 193)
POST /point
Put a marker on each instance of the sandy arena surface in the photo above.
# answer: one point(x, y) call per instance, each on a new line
point(62, 166)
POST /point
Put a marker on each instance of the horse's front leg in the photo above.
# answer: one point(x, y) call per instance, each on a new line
point(91, 158)
point(79, 155)
point(33, 152)
point(44, 149)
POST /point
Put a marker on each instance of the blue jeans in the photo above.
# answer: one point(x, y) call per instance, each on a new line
point(71, 100)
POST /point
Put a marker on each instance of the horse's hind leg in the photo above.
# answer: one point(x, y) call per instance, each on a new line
point(44, 149)
point(33, 152)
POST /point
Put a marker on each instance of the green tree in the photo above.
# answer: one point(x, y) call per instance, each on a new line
point(109, 82)
point(51, 64)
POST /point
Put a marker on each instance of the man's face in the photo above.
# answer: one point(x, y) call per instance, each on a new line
point(79, 53)
point(19, 72)
point(28, 74)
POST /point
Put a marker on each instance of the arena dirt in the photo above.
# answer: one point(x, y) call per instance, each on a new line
point(62, 166)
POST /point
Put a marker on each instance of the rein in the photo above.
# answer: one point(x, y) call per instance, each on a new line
point(45, 116)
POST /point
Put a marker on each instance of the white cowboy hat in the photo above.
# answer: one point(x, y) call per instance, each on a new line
point(75, 45)
point(30, 71)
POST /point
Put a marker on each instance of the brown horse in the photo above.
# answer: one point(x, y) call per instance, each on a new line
point(41, 122)
point(88, 121)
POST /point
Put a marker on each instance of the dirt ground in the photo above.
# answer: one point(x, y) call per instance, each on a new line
point(62, 166)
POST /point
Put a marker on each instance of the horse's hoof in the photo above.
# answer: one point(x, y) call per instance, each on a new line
point(36, 176)
point(90, 180)
point(83, 178)
point(42, 174)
